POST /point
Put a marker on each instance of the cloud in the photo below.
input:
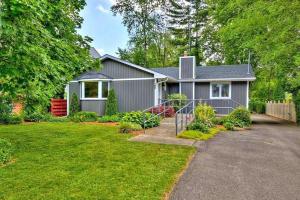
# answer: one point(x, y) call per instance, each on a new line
point(100, 51)
point(102, 9)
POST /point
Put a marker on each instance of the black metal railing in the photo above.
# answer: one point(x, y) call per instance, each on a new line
point(184, 116)
point(164, 104)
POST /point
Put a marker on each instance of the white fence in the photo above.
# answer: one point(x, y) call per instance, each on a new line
point(284, 110)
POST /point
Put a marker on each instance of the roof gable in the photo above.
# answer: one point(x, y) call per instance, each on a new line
point(156, 74)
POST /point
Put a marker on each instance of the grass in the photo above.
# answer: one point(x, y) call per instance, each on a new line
point(84, 161)
point(198, 135)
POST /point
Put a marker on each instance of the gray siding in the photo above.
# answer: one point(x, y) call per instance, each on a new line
point(118, 70)
point(74, 87)
point(97, 106)
point(187, 66)
point(187, 89)
point(172, 88)
point(134, 95)
point(239, 92)
point(202, 90)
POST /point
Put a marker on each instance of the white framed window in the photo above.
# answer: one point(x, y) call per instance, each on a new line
point(94, 90)
point(220, 90)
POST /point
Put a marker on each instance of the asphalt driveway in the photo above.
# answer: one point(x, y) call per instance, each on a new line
point(259, 164)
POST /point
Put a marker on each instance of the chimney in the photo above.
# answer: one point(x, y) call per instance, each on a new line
point(187, 65)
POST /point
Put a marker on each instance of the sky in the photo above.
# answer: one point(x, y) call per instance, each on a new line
point(106, 30)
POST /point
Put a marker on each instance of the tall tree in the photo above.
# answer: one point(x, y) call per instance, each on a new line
point(187, 22)
point(270, 29)
point(140, 18)
point(40, 48)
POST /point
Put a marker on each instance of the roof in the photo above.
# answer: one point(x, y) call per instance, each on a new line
point(92, 75)
point(212, 72)
point(156, 74)
point(94, 53)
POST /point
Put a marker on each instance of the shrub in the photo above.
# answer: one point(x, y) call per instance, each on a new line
point(177, 100)
point(6, 116)
point(74, 105)
point(127, 127)
point(5, 151)
point(241, 115)
point(229, 125)
point(107, 118)
point(199, 125)
point(59, 119)
point(217, 121)
point(257, 106)
point(111, 107)
point(84, 117)
point(5, 105)
point(205, 114)
point(37, 117)
point(138, 118)
point(15, 119)
point(169, 111)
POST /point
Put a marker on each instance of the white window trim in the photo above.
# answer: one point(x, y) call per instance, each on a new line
point(210, 90)
point(99, 90)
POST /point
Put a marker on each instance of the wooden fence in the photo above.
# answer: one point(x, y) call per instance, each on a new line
point(59, 107)
point(281, 109)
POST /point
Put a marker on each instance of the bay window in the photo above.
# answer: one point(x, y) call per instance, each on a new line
point(220, 90)
point(94, 90)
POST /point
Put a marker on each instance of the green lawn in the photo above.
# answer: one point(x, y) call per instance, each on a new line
point(81, 161)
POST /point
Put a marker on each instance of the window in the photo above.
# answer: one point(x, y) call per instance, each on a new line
point(104, 89)
point(94, 89)
point(91, 90)
point(220, 90)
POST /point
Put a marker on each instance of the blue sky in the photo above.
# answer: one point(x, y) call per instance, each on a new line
point(107, 31)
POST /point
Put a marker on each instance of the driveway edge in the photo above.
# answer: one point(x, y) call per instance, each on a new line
point(178, 176)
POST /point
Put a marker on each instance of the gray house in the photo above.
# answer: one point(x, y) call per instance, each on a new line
point(138, 88)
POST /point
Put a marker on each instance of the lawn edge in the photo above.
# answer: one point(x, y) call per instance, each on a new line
point(171, 187)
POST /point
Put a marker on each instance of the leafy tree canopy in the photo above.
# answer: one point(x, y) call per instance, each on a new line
point(40, 48)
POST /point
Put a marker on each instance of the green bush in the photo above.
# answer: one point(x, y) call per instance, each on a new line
point(5, 151)
point(107, 118)
point(127, 127)
point(84, 116)
point(15, 119)
point(241, 115)
point(59, 119)
point(205, 114)
point(74, 105)
point(6, 116)
point(138, 118)
point(257, 106)
point(217, 121)
point(111, 107)
point(177, 100)
point(199, 126)
point(229, 125)
point(11, 119)
point(37, 117)
point(5, 105)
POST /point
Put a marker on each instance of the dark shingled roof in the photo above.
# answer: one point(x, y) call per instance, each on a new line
point(94, 53)
point(92, 75)
point(212, 72)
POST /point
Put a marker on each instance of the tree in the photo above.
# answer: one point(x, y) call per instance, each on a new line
point(188, 22)
point(74, 105)
point(111, 107)
point(40, 48)
point(140, 17)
